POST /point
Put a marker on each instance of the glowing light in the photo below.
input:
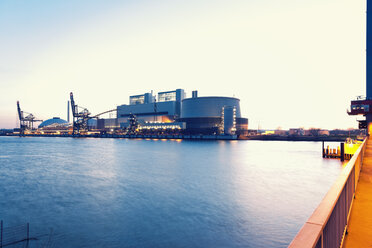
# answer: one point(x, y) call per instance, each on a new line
point(370, 128)
point(351, 148)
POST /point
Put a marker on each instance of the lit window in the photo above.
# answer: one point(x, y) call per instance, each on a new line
point(167, 96)
point(137, 100)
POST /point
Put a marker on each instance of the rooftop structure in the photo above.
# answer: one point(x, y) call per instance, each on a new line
point(141, 99)
point(54, 120)
point(146, 108)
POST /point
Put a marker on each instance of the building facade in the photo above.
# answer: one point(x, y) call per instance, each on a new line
point(195, 115)
point(145, 107)
point(213, 115)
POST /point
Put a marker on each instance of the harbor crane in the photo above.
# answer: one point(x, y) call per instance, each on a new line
point(26, 123)
point(80, 116)
point(133, 124)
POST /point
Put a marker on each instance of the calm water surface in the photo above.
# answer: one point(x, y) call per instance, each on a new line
point(157, 193)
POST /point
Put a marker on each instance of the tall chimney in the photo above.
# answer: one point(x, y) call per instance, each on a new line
point(195, 94)
point(68, 111)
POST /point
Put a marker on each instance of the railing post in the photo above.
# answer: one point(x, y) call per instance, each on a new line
point(342, 155)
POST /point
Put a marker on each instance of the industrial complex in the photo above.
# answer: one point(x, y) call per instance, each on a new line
point(167, 113)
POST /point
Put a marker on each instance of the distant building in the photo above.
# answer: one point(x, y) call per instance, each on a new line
point(339, 132)
point(55, 125)
point(145, 108)
point(296, 131)
point(280, 132)
point(213, 115)
point(53, 121)
point(107, 124)
point(196, 115)
point(268, 132)
point(323, 132)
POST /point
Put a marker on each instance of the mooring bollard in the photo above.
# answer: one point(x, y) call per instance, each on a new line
point(342, 157)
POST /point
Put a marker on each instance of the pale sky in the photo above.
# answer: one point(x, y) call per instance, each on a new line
point(292, 63)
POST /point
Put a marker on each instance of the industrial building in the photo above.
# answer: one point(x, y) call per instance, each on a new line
point(53, 121)
point(172, 110)
point(146, 108)
point(213, 115)
point(54, 125)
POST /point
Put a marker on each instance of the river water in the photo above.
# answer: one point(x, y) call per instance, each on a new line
point(162, 193)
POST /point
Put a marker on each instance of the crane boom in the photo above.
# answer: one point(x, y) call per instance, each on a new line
point(108, 111)
point(72, 104)
point(20, 114)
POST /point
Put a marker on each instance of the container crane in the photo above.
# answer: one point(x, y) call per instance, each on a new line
point(26, 123)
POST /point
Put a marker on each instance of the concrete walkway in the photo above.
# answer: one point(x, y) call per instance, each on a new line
point(360, 222)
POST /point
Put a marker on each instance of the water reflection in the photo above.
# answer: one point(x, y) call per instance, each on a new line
point(147, 193)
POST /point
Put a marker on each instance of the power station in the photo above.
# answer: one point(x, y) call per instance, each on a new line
point(167, 113)
point(172, 110)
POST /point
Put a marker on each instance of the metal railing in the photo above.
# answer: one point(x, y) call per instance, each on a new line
point(13, 235)
point(326, 227)
point(19, 236)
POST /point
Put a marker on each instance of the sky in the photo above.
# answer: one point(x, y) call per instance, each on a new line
point(292, 63)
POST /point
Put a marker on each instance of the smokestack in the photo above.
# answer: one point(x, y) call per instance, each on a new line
point(195, 94)
point(68, 111)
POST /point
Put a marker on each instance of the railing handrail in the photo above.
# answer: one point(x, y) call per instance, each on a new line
point(312, 230)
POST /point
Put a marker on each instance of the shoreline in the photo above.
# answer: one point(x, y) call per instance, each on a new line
point(198, 137)
point(341, 138)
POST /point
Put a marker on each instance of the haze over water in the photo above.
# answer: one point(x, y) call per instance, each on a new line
point(155, 193)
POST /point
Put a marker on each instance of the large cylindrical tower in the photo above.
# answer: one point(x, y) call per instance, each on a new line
point(213, 115)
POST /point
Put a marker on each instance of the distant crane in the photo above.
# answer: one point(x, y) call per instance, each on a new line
point(79, 118)
point(155, 110)
point(26, 123)
point(133, 124)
